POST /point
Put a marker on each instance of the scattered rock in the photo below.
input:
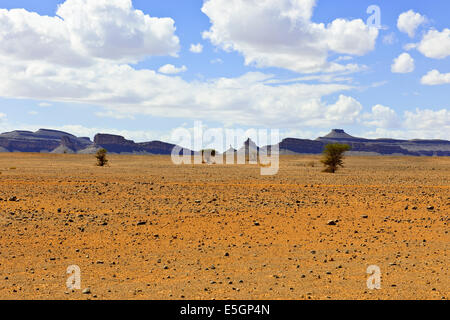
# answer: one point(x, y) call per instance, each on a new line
point(331, 222)
point(86, 291)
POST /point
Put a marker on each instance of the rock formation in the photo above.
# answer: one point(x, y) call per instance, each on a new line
point(45, 140)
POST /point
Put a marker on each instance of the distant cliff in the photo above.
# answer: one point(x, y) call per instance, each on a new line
point(46, 140)
point(389, 146)
point(43, 140)
point(118, 144)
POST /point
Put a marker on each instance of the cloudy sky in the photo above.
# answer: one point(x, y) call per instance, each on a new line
point(142, 68)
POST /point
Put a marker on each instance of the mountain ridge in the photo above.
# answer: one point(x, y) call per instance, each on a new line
point(54, 141)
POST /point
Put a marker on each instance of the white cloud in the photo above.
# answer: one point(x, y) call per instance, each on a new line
point(44, 104)
point(196, 48)
point(246, 100)
point(409, 21)
point(434, 77)
point(84, 32)
point(435, 44)
point(404, 63)
point(428, 120)
point(421, 123)
point(280, 33)
point(410, 46)
point(171, 69)
point(382, 117)
point(345, 111)
point(344, 58)
point(65, 70)
point(327, 78)
point(126, 92)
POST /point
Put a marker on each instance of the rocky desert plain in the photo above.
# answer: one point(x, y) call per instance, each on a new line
point(144, 228)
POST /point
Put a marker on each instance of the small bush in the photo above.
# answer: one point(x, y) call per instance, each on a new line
point(101, 157)
point(333, 156)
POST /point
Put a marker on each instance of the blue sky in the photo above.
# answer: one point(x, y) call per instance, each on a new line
point(298, 72)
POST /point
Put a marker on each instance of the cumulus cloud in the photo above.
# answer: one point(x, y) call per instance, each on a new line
point(382, 117)
point(86, 31)
point(410, 46)
point(171, 69)
point(246, 100)
point(409, 21)
point(196, 48)
point(434, 77)
point(435, 44)
point(53, 60)
point(280, 33)
point(123, 91)
point(421, 123)
point(404, 63)
point(424, 119)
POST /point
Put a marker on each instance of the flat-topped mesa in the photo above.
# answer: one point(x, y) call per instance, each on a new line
point(157, 147)
point(47, 140)
point(106, 139)
point(43, 140)
point(338, 134)
point(52, 134)
point(116, 144)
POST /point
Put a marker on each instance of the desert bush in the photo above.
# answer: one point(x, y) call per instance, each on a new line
point(333, 156)
point(311, 164)
point(101, 157)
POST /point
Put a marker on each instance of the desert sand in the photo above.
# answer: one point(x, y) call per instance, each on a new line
point(143, 228)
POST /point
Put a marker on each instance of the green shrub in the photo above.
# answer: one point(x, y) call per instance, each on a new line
point(333, 156)
point(101, 157)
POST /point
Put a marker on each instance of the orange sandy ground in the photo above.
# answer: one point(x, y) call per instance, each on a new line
point(195, 215)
